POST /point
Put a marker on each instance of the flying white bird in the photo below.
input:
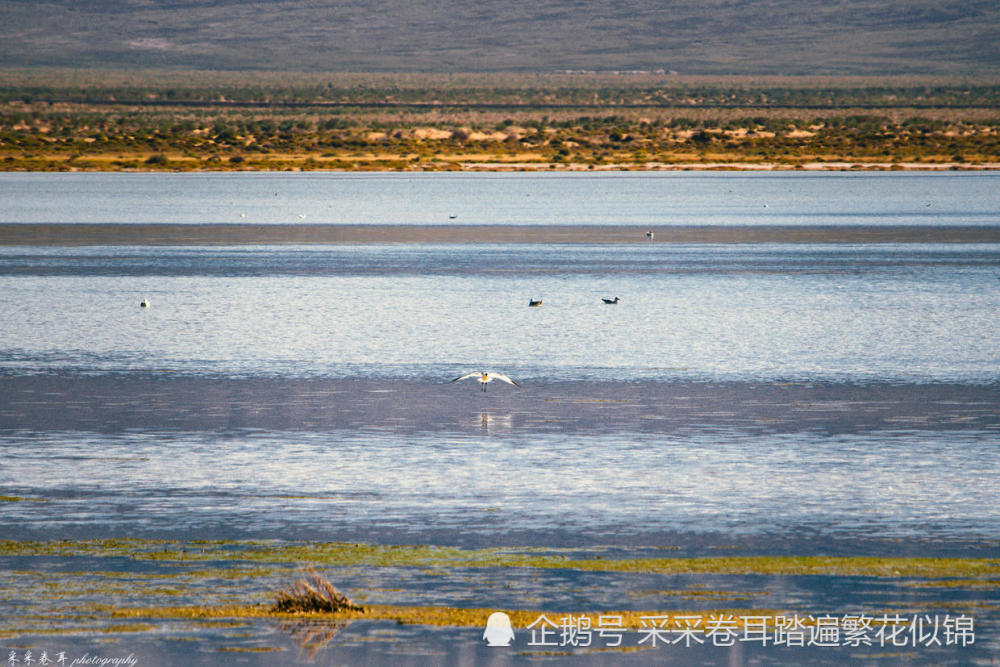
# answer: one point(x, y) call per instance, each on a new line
point(485, 377)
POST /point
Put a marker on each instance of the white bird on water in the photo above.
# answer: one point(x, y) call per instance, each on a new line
point(485, 377)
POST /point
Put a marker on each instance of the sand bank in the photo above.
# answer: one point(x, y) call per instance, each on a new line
point(13, 234)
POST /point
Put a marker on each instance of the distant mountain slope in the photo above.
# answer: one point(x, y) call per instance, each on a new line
point(867, 37)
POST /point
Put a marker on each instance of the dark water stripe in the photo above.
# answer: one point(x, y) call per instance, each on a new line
point(164, 401)
point(502, 260)
point(13, 234)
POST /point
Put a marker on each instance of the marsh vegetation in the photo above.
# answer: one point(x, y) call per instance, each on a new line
point(312, 592)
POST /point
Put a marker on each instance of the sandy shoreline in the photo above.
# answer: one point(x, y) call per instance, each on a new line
point(41, 234)
point(399, 163)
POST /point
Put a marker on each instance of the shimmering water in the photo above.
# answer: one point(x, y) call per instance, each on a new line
point(609, 489)
point(157, 421)
point(907, 312)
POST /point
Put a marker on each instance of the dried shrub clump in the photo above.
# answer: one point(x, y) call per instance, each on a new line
point(312, 593)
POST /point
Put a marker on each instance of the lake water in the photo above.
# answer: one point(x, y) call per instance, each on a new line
point(891, 312)
point(786, 398)
point(416, 315)
point(706, 198)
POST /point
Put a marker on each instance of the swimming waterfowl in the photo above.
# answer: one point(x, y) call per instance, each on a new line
point(611, 301)
point(144, 303)
point(485, 377)
point(534, 302)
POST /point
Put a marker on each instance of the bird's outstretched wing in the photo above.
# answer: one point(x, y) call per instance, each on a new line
point(467, 375)
point(501, 376)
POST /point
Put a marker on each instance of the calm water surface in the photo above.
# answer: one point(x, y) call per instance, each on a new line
point(719, 198)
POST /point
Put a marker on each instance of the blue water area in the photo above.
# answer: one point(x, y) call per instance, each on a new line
point(303, 390)
point(478, 486)
point(717, 198)
point(899, 312)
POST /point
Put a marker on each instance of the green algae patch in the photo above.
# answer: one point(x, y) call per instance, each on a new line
point(955, 583)
point(239, 554)
point(221, 623)
point(108, 548)
point(126, 628)
point(429, 615)
point(859, 566)
point(187, 612)
point(122, 628)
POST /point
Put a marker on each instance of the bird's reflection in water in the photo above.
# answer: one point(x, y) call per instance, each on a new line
point(312, 636)
point(490, 421)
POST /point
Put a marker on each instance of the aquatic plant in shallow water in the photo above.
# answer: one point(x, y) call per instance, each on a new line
point(313, 593)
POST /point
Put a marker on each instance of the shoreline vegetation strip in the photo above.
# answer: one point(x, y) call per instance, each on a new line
point(332, 554)
point(114, 596)
point(442, 616)
point(55, 120)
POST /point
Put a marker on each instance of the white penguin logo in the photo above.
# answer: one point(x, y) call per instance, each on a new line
point(498, 631)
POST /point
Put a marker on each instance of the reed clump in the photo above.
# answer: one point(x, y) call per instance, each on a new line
point(313, 593)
